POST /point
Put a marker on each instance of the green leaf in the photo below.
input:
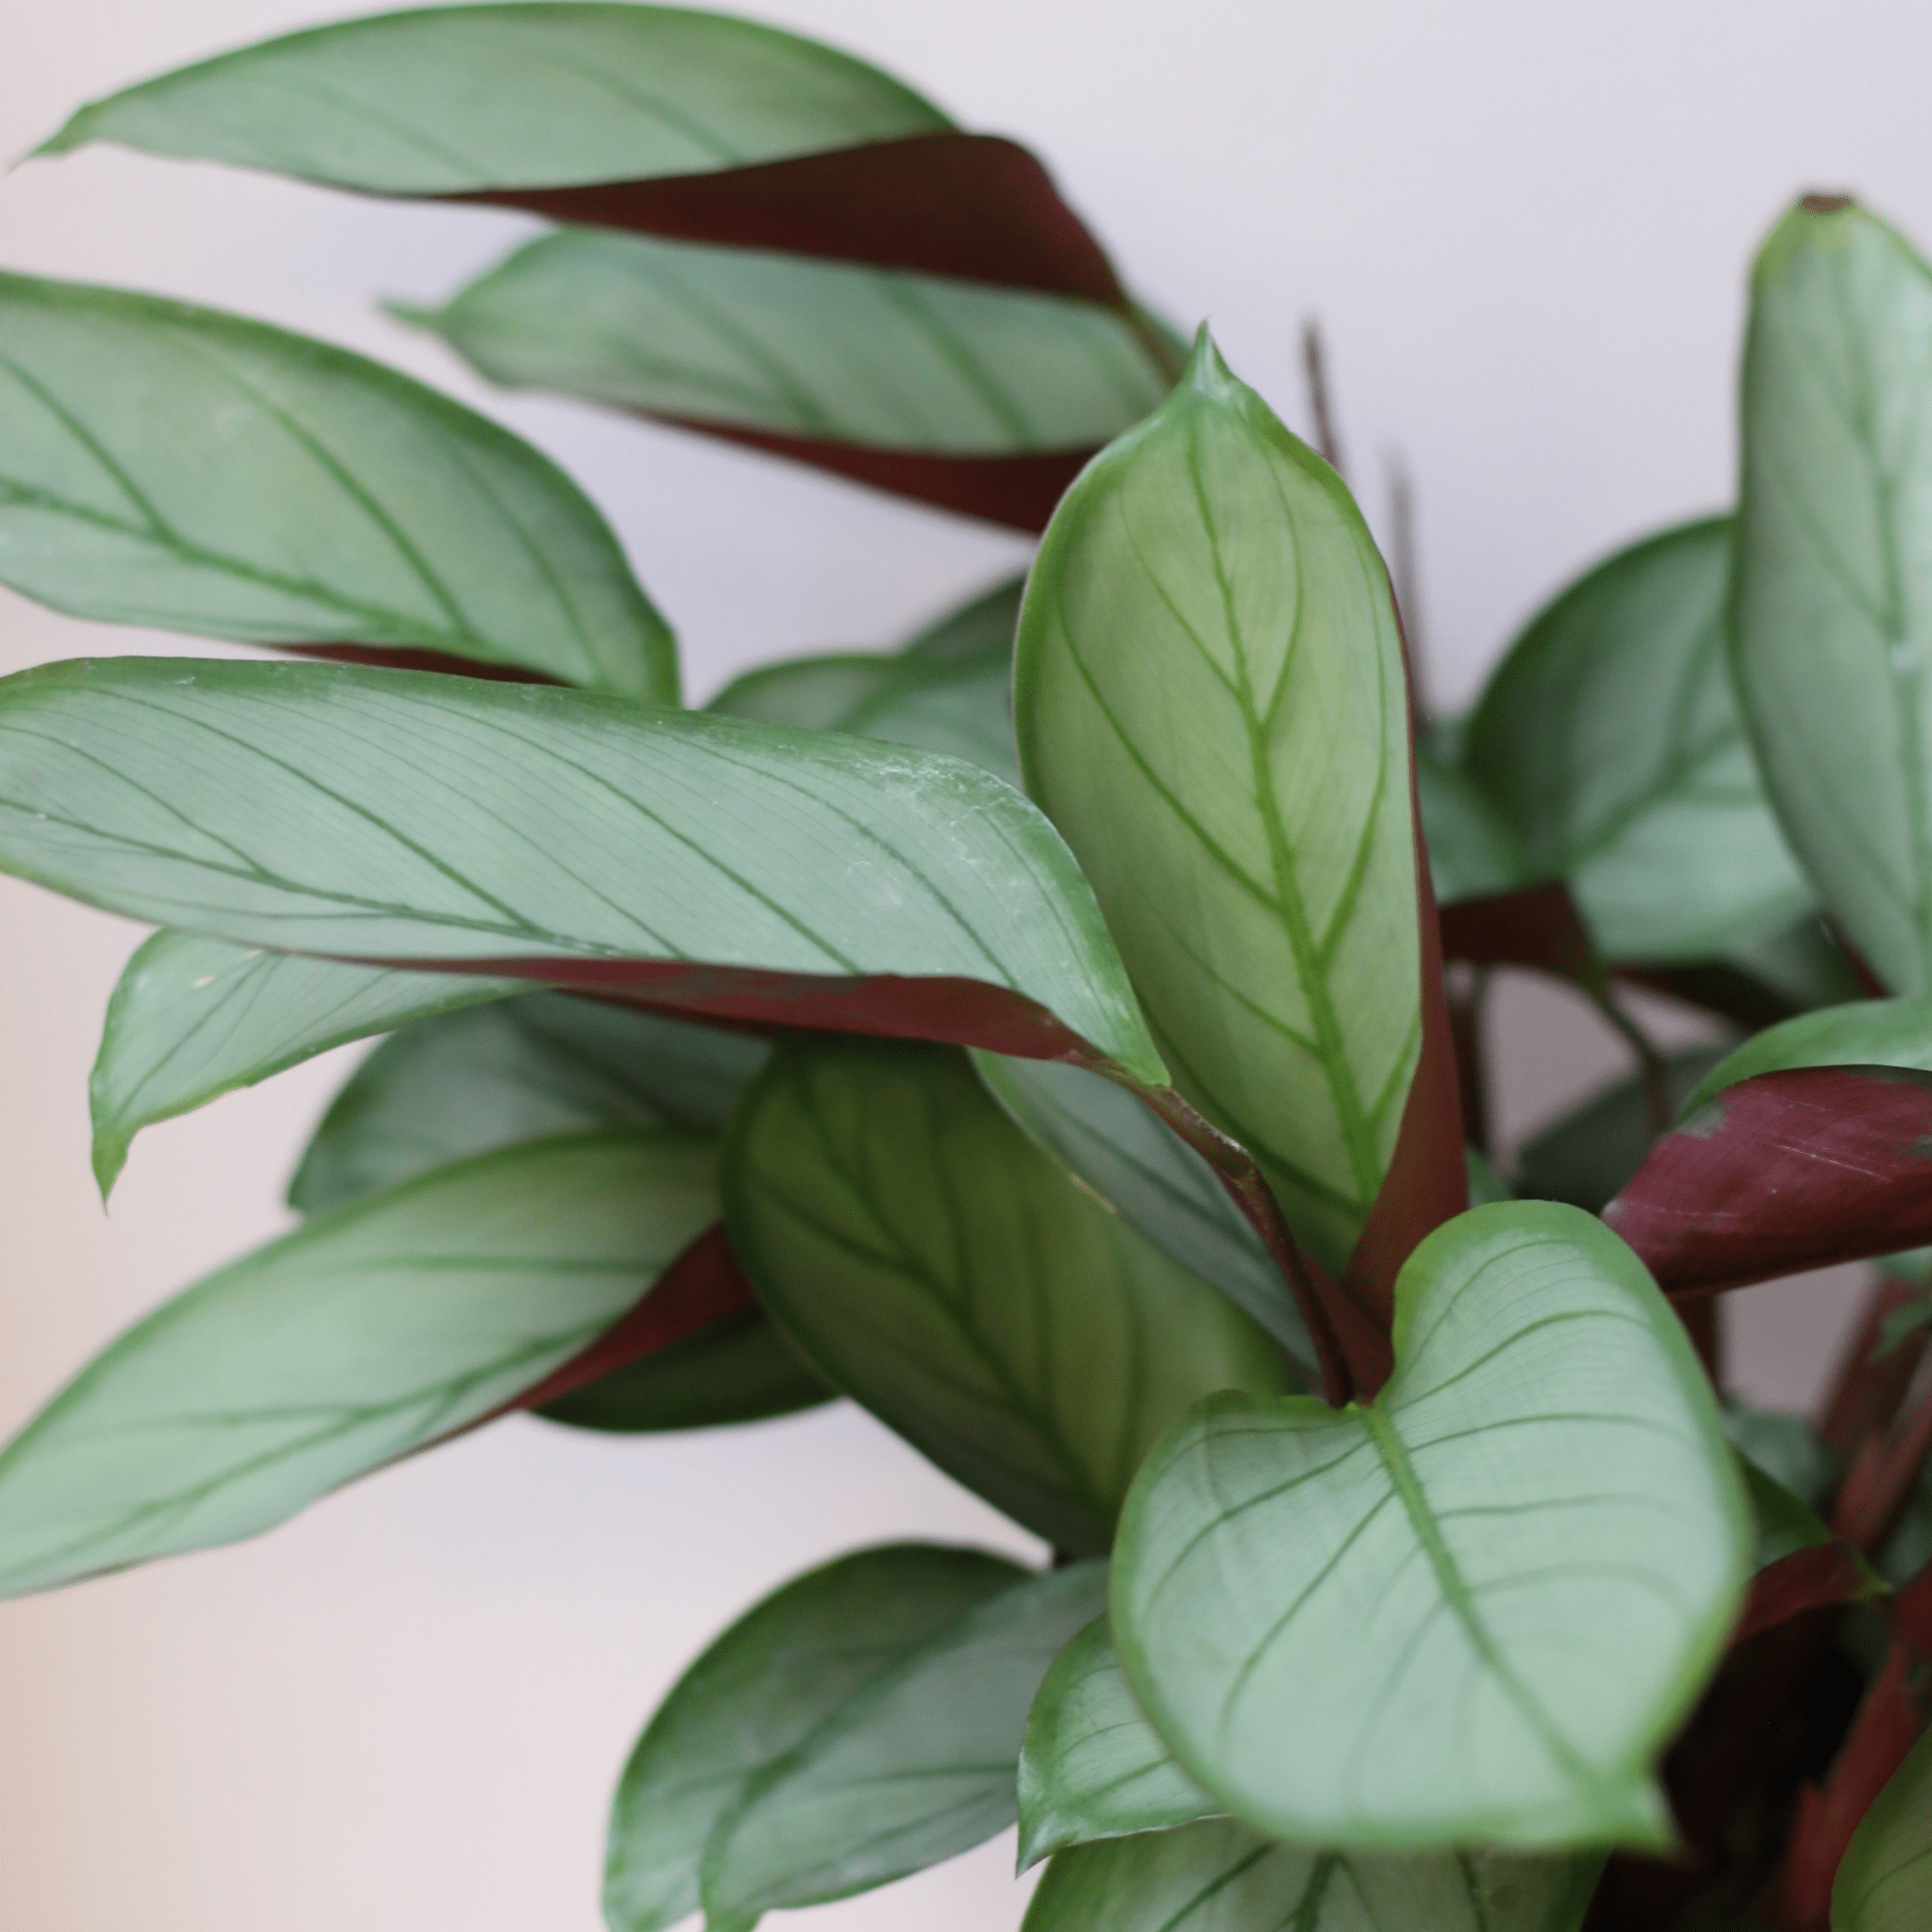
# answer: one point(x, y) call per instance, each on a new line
point(1610, 742)
point(1786, 1522)
point(1786, 1447)
point(1473, 851)
point(1865, 1033)
point(357, 1338)
point(188, 470)
point(193, 1018)
point(1092, 1766)
point(986, 623)
point(728, 867)
point(1830, 636)
point(1212, 706)
point(1218, 1876)
point(520, 1070)
point(791, 346)
point(932, 1263)
point(1885, 1879)
point(915, 1767)
point(1117, 1148)
point(1472, 1610)
point(761, 1690)
point(575, 92)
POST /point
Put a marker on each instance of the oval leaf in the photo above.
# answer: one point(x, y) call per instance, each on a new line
point(932, 1263)
point(715, 865)
point(1212, 706)
point(915, 1767)
point(1610, 739)
point(175, 467)
point(343, 1346)
point(761, 1689)
point(1472, 1610)
point(1830, 641)
point(1884, 1882)
point(1865, 1033)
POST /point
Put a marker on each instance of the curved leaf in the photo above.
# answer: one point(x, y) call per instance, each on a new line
point(1610, 740)
point(1474, 854)
point(713, 865)
point(932, 1263)
point(985, 623)
point(1868, 1033)
point(759, 1691)
point(1885, 1879)
point(1830, 643)
point(193, 1017)
point(519, 1069)
point(357, 1338)
point(1092, 1766)
point(1218, 1876)
point(915, 1767)
point(1472, 1610)
point(1212, 706)
point(176, 467)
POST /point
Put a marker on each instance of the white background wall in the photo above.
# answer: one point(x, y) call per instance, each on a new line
point(1525, 228)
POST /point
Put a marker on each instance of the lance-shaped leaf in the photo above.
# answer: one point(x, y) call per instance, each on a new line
point(517, 1070)
point(710, 864)
point(1212, 706)
point(195, 1018)
point(1116, 1147)
point(761, 1690)
point(1092, 1766)
point(1785, 1172)
point(1833, 573)
point(934, 1264)
point(341, 1346)
point(1610, 742)
point(1865, 1033)
point(1472, 1610)
point(918, 1765)
point(1884, 1882)
point(1218, 1876)
point(180, 468)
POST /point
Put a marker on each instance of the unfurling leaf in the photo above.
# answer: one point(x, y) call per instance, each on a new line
point(1472, 1610)
point(180, 468)
point(365, 1335)
point(931, 1262)
point(706, 863)
point(1885, 1879)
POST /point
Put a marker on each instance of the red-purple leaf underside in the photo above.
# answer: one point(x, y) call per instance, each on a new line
point(1536, 928)
point(1811, 1579)
point(404, 659)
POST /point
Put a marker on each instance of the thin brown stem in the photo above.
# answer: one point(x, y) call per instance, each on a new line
point(1884, 1478)
point(1468, 996)
point(1651, 1068)
point(1315, 366)
point(1405, 572)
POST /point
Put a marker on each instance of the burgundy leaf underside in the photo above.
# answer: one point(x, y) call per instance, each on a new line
point(1812, 1579)
point(385, 658)
point(1536, 928)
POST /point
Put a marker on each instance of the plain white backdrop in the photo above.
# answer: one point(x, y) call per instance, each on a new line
point(1525, 229)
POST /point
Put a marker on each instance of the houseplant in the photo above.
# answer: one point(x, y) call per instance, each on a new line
point(1111, 1147)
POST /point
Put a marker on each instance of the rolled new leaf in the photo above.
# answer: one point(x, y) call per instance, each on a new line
point(932, 1263)
point(1830, 640)
point(337, 1349)
point(183, 469)
point(1472, 1610)
point(706, 863)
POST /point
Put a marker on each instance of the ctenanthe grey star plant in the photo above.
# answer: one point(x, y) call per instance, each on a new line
point(1062, 1035)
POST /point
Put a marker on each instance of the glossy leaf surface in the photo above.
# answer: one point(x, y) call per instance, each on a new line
point(1885, 1880)
point(1835, 572)
point(1114, 1145)
point(1868, 1033)
point(1610, 742)
point(1789, 1170)
point(517, 1070)
point(1473, 1609)
point(934, 1264)
point(761, 1690)
point(720, 866)
point(1218, 1876)
point(1212, 706)
point(917, 1766)
point(790, 346)
point(191, 471)
point(1092, 1766)
point(341, 1346)
point(195, 1018)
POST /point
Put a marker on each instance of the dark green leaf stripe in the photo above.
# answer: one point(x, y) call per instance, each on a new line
point(576, 92)
point(798, 347)
point(398, 817)
point(174, 467)
point(1212, 706)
